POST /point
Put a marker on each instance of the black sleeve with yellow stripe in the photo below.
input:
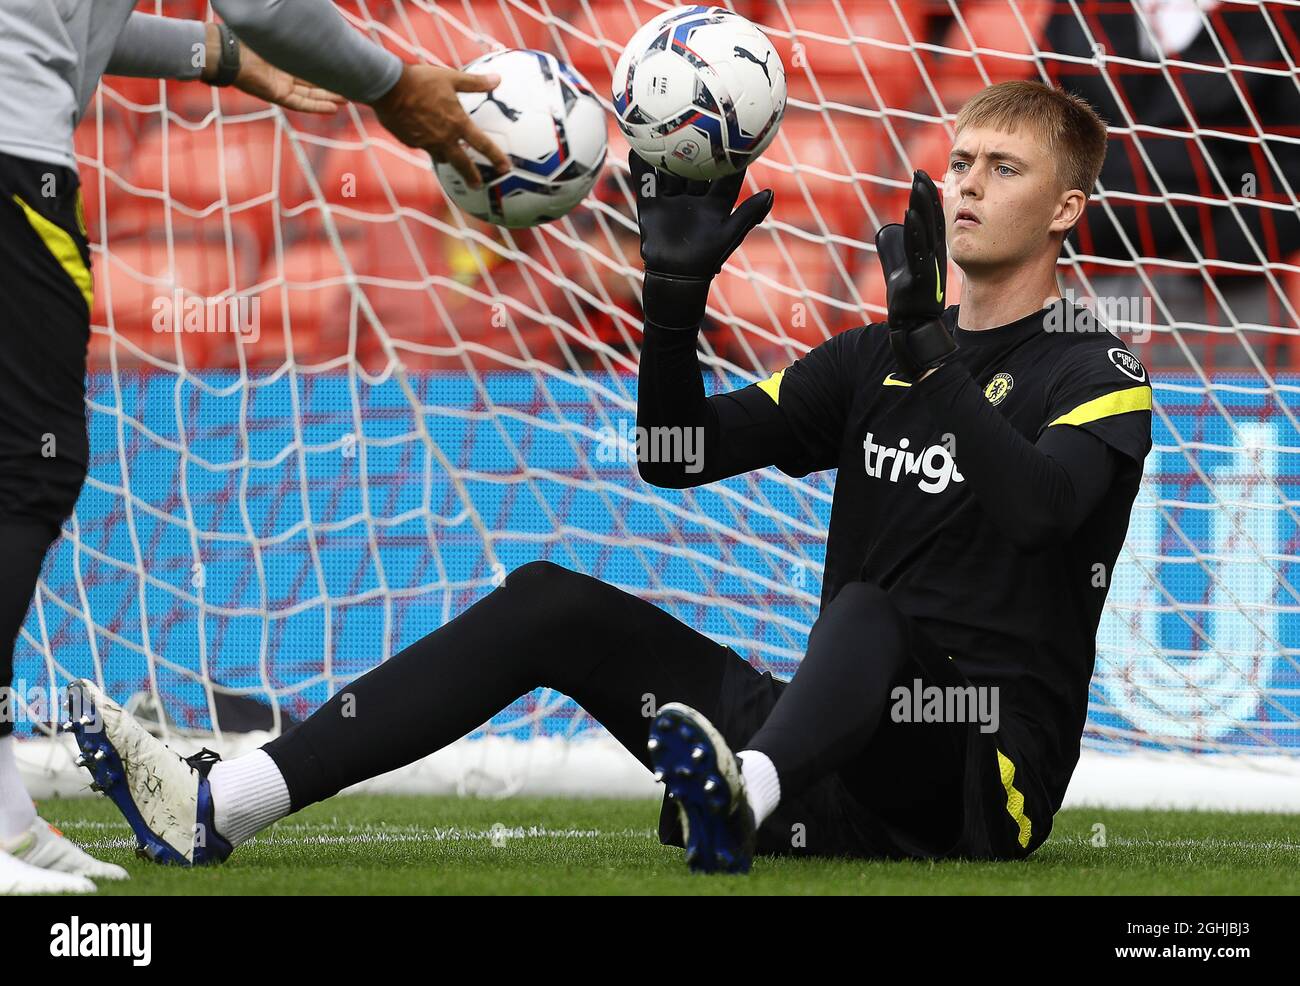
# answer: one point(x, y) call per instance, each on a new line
point(794, 419)
point(812, 393)
point(1103, 389)
point(1036, 493)
point(731, 433)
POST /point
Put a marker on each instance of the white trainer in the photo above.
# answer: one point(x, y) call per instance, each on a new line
point(17, 877)
point(45, 846)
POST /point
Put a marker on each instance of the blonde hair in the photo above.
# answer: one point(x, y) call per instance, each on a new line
point(1074, 133)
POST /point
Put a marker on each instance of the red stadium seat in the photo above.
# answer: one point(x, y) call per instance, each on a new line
point(389, 270)
point(593, 37)
point(313, 310)
point(990, 24)
point(131, 94)
point(401, 249)
point(191, 159)
point(362, 178)
point(458, 33)
point(194, 10)
point(108, 146)
point(768, 283)
point(357, 9)
point(232, 167)
point(142, 270)
point(111, 141)
point(194, 100)
point(818, 43)
point(929, 149)
point(808, 139)
point(135, 291)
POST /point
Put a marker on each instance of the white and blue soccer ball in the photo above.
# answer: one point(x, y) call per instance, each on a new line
point(545, 116)
point(699, 92)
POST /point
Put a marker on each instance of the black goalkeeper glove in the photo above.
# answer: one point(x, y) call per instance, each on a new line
point(688, 231)
point(914, 256)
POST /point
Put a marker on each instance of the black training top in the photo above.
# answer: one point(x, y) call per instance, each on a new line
point(990, 500)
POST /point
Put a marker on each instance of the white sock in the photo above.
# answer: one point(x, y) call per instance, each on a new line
point(762, 786)
point(16, 809)
point(248, 794)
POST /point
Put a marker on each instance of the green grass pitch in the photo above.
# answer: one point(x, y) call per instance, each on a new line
point(389, 844)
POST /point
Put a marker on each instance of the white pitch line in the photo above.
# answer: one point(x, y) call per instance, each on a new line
point(1182, 843)
point(335, 834)
point(307, 834)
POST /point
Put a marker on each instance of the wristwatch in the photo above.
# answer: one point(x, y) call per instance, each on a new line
point(228, 66)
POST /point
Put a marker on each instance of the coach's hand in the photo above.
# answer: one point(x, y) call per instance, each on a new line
point(423, 110)
point(688, 230)
point(914, 257)
point(260, 78)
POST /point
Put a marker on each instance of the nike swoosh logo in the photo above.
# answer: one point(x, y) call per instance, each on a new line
point(938, 284)
point(892, 381)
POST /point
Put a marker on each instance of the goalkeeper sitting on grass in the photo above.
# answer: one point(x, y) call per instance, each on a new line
point(987, 467)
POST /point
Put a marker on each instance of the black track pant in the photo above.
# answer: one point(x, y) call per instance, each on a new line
point(852, 780)
point(44, 329)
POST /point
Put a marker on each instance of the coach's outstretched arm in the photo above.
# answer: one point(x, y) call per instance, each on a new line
point(171, 48)
point(417, 103)
point(688, 231)
point(311, 39)
point(153, 47)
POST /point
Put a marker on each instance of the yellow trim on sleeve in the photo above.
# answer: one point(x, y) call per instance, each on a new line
point(1015, 800)
point(60, 243)
point(81, 214)
point(772, 386)
point(1116, 402)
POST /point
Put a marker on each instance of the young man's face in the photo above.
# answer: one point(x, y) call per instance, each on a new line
point(1002, 200)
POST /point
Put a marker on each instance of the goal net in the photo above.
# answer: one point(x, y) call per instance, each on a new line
point(328, 411)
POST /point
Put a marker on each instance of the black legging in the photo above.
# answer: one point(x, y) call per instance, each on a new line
point(44, 330)
point(617, 656)
point(25, 544)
